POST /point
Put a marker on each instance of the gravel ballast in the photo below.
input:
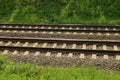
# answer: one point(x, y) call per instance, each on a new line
point(65, 36)
point(109, 64)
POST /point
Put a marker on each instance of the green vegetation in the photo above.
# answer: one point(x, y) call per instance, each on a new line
point(60, 11)
point(21, 71)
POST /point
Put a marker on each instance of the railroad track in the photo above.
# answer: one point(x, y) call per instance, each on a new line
point(60, 28)
point(60, 47)
point(60, 31)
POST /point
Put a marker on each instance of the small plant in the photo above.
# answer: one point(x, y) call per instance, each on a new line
point(61, 11)
point(12, 71)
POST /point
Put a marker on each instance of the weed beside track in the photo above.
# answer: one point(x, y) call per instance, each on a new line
point(29, 71)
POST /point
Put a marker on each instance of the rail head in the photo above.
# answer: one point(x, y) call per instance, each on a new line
point(57, 40)
point(82, 25)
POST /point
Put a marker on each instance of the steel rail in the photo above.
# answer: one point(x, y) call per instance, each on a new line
point(69, 25)
point(57, 49)
point(57, 40)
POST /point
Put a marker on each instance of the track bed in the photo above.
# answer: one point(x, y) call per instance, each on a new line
point(62, 45)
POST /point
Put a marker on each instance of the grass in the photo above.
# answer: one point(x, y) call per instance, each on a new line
point(60, 11)
point(21, 71)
